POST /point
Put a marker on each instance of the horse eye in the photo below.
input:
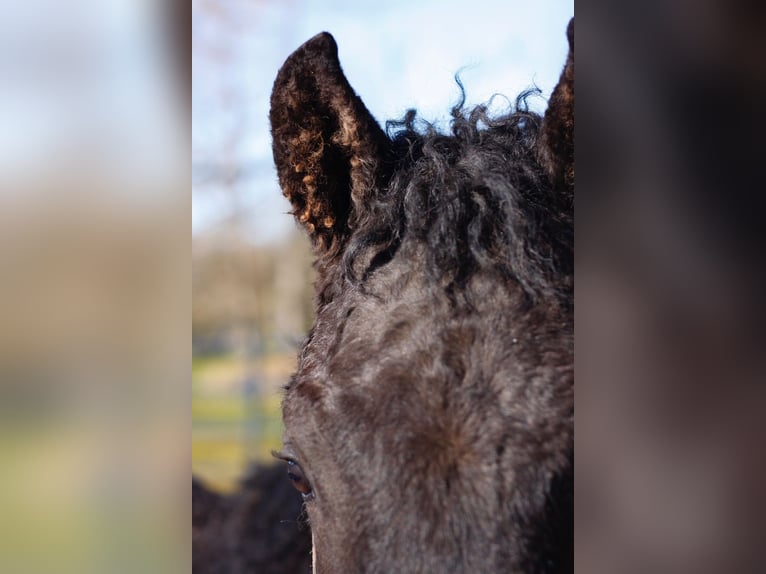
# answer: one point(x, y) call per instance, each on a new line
point(296, 476)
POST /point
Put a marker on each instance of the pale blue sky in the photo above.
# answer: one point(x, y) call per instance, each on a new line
point(397, 55)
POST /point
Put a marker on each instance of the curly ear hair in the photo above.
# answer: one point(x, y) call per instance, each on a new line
point(326, 144)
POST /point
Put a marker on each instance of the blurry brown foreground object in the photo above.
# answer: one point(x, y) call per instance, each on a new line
point(259, 529)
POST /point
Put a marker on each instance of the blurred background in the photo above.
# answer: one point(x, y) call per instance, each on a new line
point(94, 285)
point(252, 275)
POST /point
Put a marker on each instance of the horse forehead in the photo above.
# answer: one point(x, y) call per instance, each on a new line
point(403, 344)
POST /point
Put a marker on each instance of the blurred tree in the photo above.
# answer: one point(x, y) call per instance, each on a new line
point(249, 297)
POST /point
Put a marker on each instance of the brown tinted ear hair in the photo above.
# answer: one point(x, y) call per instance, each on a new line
point(327, 146)
point(557, 141)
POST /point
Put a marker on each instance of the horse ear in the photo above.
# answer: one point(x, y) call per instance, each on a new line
point(327, 146)
point(558, 126)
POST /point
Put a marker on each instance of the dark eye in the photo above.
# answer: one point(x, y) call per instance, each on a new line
point(296, 476)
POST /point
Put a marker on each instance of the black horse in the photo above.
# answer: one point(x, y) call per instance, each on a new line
point(429, 426)
point(260, 529)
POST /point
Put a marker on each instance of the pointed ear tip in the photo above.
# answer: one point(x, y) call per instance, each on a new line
point(321, 46)
point(570, 32)
point(322, 43)
point(323, 39)
point(303, 60)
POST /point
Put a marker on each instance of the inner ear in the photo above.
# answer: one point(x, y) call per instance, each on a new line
point(557, 141)
point(327, 146)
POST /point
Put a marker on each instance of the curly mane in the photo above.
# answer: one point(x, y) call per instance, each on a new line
point(476, 197)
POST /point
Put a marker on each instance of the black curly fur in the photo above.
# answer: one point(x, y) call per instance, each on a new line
point(432, 411)
point(476, 196)
point(260, 529)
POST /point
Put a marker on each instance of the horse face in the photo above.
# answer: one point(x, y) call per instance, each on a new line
point(429, 425)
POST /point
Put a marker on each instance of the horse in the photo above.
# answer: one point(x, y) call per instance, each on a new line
point(258, 529)
point(429, 425)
